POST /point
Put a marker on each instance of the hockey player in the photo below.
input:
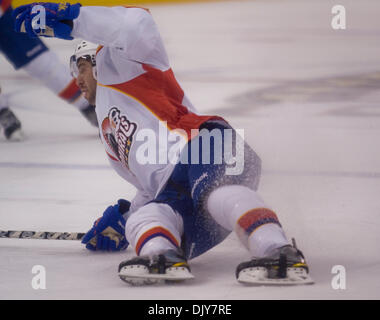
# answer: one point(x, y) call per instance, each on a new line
point(9, 123)
point(184, 206)
point(38, 61)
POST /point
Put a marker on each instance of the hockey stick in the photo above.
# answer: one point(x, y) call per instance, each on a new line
point(42, 235)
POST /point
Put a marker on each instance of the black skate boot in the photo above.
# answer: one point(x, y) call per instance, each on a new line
point(11, 125)
point(90, 114)
point(170, 266)
point(284, 266)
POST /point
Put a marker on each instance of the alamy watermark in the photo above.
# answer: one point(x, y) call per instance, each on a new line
point(338, 21)
point(216, 146)
point(39, 20)
point(163, 144)
point(338, 282)
point(39, 280)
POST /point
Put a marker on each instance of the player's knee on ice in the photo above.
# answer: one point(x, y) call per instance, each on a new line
point(241, 209)
point(154, 228)
point(226, 204)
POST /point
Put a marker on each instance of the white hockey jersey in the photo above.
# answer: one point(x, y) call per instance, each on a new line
point(138, 100)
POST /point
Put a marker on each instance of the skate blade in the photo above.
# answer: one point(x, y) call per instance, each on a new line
point(139, 275)
point(259, 276)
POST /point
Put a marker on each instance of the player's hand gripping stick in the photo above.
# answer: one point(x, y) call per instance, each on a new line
point(108, 232)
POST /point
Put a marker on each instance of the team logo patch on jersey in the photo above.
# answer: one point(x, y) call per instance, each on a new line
point(118, 132)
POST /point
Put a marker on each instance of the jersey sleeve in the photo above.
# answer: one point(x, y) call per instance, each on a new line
point(132, 31)
point(140, 199)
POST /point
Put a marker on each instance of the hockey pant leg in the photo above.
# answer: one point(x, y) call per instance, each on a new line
point(230, 197)
point(154, 228)
point(197, 175)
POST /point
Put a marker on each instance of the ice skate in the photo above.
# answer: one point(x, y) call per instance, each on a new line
point(170, 266)
point(284, 266)
point(11, 125)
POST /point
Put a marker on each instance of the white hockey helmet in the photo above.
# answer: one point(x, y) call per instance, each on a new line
point(85, 50)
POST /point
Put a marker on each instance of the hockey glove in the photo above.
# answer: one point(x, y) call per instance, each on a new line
point(108, 232)
point(46, 19)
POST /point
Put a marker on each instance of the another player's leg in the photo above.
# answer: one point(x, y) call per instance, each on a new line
point(32, 55)
point(10, 125)
point(155, 232)
point(55, 75)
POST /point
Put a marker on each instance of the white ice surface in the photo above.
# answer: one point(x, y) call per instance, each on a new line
point(307, 97)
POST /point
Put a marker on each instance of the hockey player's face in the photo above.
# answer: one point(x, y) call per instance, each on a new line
point(86, 81)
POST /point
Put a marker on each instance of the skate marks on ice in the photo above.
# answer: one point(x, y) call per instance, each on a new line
point(328, 174)
point(59, 166)
point(74, 273)
point(346, 88)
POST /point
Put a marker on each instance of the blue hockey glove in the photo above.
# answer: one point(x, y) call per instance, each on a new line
point(46, 19)
point(108, 232)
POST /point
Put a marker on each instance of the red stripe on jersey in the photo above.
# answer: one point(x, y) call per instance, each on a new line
point(71, 92)
point(160, 92)
point(112, 157)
